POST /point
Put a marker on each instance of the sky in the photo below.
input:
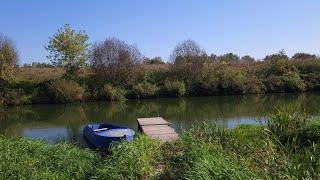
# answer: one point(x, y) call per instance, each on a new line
point(254, 27)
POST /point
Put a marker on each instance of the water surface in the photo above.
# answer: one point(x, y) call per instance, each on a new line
point(56, 123)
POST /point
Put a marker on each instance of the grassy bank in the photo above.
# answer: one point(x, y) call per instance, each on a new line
point(286, 148)
point(276, 74)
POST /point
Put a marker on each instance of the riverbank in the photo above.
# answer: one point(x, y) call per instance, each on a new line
point(277, 73)
point(287, 147)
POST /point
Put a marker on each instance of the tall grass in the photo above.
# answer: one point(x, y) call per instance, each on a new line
point(131, 160)
point(26, 159)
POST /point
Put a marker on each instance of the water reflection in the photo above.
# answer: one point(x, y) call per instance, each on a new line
point(65, 122)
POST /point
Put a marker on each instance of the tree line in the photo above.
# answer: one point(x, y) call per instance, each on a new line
point(120, 72)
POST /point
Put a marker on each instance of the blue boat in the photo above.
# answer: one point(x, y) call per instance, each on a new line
point(101, 135)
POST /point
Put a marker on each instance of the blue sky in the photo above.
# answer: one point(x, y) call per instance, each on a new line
point(255, 27)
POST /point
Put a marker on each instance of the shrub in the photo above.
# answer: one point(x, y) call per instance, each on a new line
point(29, 159)
point(274, 83)
point(145, 90)
point(312, 81)
point(65, 91)
point(8, 58)
point(175, 88)
point(292, 82)
point(253, 85)
point(232, 80)
point(131, 160)
point(114, 93)
point(13, 96)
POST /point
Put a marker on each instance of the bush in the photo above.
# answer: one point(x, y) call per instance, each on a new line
point(253, 85)
point(175, 88)
point(29, 159)
point(114, 93)
point(292, 82)
point(145, 90)
point(8, 58)
point(131, 160)
point(12, 96)
point(232, 80)
point(274, 84)
point(65, 91)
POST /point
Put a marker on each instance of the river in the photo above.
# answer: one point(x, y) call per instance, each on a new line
point(56, 123)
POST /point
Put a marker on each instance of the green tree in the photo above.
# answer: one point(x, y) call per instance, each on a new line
point(229, 58)
point(68, 49)
point(8, 57)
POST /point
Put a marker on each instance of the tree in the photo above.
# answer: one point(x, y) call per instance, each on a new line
point(247, 59)
point(188, 58)
point(187, 50)
point(8, 57)
point(304, 56)
point(68, 49)
point(273, 58)
point(115, 61)
point(155, 60)
point(229, 58)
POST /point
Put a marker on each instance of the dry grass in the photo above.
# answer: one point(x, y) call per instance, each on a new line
point(44, 74)
point(156, 67)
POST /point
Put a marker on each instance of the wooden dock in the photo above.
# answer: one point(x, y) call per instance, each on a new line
point(157, 128)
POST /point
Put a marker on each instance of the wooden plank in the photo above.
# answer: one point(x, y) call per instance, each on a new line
point(166, 131)
point(152, 121)
point(152, 128)
point(157, 128)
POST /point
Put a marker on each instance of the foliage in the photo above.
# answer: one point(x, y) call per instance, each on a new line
point(232, 80)
point(191, 72)
point(114, 93)
point(68, 49)
point(200, 154)
point(284, 122)
point(65, 91)
point(155, 60)
point(309, 133)
point(14, 96)
point(298, 137)
point(27, 159)
point(145, 90)
point(186, 49)
point(253, 85)
point(116, 62)
point(229, 58)
point(208, 161)
point(38, 65)
point(8, 58)
point(175, 88)
point(293, 82)
point(131, 160)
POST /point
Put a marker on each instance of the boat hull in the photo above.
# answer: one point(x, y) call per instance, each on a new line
point(102, 142)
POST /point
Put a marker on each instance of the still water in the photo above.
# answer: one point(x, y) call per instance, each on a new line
point(55, 123)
